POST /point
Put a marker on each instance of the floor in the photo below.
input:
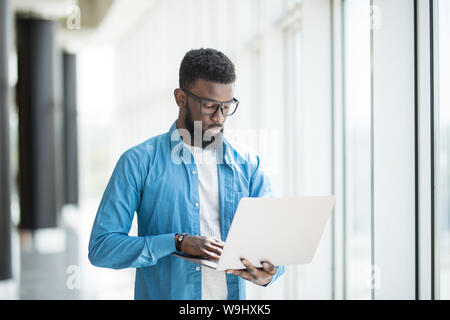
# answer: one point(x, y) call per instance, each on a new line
point(53, 263)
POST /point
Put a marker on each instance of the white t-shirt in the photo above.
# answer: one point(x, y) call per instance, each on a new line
point(214, 285)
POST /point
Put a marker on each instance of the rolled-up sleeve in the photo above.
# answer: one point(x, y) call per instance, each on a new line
point(110, 245)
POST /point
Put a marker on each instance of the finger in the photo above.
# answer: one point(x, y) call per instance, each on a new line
point(233, 271)
point(216, 250)
point(250, 267)
point(209, 254)
point(241, 273)
point(218, 244)
point(270, 268)
point(213, 239)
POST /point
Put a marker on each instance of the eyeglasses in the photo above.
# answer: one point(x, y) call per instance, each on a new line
point(209, 107)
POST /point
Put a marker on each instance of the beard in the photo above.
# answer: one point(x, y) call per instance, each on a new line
point(206, 139)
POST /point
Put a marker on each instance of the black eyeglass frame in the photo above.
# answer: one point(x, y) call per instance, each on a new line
point(220, 104)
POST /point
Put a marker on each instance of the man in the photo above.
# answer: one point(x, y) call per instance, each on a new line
point(185, 186)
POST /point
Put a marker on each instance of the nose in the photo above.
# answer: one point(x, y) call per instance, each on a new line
point(218, 116)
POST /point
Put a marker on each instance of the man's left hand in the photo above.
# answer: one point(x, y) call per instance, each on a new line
point(259, 276)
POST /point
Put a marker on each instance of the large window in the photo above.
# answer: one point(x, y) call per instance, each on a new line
point(357, 106)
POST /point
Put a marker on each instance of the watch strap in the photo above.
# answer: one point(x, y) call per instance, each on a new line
point(179, 240)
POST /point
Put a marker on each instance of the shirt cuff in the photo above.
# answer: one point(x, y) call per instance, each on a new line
point(274, 277)
point(163, 244)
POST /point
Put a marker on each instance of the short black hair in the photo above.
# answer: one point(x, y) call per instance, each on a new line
point(208, 64)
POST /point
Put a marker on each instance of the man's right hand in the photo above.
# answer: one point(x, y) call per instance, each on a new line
point(206, 247)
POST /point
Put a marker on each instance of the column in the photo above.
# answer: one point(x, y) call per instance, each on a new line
point(5, 203)
point(70, 129)
point(36, 96)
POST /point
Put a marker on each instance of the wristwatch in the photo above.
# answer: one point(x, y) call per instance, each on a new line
point(179, 240)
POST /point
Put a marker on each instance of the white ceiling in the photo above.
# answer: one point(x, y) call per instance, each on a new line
point(49, 9)
point(102, 21)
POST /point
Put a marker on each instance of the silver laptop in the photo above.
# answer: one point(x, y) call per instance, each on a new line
point(283, 231)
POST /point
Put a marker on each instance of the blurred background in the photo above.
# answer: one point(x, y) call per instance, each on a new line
point(344, 97)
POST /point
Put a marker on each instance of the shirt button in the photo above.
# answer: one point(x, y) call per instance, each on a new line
point(197, 268)
point(196, 204)
point(194, 172)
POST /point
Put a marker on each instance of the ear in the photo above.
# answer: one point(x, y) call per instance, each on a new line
point(180, 97)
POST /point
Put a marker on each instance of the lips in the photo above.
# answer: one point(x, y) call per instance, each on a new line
point(214, 127)
point(213, 130)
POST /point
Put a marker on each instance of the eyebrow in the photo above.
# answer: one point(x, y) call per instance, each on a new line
point(209, 99)
point(212, 100)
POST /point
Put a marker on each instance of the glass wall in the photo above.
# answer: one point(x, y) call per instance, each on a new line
point(358, 184)
point(379, 149)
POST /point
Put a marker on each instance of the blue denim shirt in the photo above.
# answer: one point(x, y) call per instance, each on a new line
point(157, 180)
